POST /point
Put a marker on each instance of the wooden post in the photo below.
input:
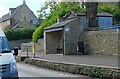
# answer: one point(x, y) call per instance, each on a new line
point(33, 50)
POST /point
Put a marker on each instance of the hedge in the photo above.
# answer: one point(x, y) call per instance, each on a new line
point(18, 34)
point(92, 71)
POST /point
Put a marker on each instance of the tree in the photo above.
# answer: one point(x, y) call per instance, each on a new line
point(56, 10)
point(47, 8)
point(91, 14)
point(119, 4)
point(112, 9)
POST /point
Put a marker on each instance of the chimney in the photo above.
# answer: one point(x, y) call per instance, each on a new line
point(24, 1)
point(59, 19)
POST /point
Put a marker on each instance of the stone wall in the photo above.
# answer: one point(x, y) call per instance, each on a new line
point(17, 43)
point(71, 36)
point(104, 42)
point(39, 46)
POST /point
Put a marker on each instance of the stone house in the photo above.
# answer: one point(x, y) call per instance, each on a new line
point(63, 37)
point(18, 17)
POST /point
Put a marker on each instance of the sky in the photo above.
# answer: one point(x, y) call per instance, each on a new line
point(34, 5)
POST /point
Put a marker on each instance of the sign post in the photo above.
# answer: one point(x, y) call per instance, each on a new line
point(28, 45)
point(33, 50)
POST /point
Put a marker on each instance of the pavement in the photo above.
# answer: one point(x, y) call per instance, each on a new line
point(90, 60)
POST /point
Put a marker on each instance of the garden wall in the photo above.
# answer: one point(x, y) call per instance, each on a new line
point(39, 46)
point(17, 43)
point(104, 42)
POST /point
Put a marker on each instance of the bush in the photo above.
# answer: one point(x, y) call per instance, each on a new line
point(92, 71)
point(18, 34)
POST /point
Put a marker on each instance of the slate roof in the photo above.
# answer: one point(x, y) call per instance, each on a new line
point(7, 16)
point(59, 24)
point(104, 14)
point(17, 8)
point(73, 17)
point(101, 14)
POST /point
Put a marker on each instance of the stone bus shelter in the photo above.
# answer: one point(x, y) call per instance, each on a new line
point(62, 37)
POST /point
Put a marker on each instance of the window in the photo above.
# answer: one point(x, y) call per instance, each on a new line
point(4, 45)
point(31, 22)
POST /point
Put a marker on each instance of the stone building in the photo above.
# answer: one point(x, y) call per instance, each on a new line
point(63, 37)
point(105, 20)
point(17, 17)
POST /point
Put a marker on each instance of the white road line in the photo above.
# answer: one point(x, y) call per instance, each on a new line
point(67, 75)
point(44, 70)
point(61, 74)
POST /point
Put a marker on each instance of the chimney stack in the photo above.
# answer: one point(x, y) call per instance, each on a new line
point(24, 1)
point(59, 19)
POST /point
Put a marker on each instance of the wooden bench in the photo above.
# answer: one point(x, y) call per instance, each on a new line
point(59, 50)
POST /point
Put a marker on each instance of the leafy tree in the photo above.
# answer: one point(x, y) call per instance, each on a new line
point(63, 9)
point(119, 4)
point(112, 9)
point(56, 10)
point(47, 8)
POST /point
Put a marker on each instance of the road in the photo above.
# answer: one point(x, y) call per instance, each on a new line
point(26, 70)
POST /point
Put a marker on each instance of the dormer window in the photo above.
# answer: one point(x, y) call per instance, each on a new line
point(11, 10)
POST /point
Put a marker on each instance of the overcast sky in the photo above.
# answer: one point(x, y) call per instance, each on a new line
point(34, 5)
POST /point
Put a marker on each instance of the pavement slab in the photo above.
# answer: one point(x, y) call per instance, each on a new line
point(91, 60)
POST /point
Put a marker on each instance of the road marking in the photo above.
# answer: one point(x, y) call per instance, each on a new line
point(67, 75)
point(44, 70)
point(61, 74)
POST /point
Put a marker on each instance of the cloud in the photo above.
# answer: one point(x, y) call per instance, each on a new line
point(12, 1)
point(1, 7)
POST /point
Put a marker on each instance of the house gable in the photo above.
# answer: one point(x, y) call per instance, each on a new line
point(22, 12)
point(16, 16)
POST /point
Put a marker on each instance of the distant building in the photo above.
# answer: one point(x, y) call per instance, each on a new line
point(19, 17)
point(105, 20)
